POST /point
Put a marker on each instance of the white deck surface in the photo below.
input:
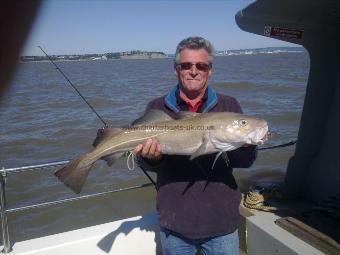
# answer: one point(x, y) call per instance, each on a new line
point(264, 237)
point(129, 236)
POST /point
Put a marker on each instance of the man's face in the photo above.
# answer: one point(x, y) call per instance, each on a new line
point(193, 79)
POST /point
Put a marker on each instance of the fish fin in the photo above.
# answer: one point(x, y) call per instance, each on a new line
point(202, 149)
point(104, 133)
point(72, 175)
point(185, 115)
point(152, 116)
point(216, 158)
point(228, 146)
point(111, 159)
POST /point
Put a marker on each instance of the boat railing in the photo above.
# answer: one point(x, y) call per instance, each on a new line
point(4, 173)
point(4, 210)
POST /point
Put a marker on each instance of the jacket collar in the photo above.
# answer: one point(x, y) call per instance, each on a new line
point(171, 100)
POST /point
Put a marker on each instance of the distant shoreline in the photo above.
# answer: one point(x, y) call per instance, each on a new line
point(135, 55)
point(85, 60)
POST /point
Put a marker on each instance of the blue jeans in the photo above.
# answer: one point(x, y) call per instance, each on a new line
point(175, 244)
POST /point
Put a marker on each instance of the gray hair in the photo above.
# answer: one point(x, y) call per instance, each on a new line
point(195, 43)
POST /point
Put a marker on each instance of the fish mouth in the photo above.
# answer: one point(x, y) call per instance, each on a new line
point(259, 136)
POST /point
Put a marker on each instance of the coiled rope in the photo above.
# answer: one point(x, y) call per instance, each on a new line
point(257, 197)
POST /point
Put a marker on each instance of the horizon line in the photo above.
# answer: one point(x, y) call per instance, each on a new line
point(298, 46)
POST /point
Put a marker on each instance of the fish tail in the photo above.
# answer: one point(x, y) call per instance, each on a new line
point(74, 174)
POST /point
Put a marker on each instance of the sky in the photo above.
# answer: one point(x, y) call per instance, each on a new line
point(84, 26)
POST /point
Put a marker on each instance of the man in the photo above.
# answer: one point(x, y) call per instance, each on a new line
point(198, 206)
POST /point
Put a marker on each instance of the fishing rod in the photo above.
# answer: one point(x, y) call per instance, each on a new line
point(74, 87)
point(279, 146)
point(89, 105)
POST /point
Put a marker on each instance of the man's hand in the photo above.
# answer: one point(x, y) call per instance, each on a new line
point(151, 149)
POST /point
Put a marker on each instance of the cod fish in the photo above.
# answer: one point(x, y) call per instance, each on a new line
point(193, 134)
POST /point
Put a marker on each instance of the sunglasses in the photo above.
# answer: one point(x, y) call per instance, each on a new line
point(200, 66)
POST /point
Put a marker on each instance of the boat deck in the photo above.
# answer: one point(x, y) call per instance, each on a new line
point(129, 236)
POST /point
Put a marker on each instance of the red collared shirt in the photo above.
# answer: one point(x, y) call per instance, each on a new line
point(193, 107)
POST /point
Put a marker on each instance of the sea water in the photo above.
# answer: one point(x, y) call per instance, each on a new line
point(44, 120)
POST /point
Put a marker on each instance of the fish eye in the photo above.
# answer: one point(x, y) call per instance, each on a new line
point(243, 122)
